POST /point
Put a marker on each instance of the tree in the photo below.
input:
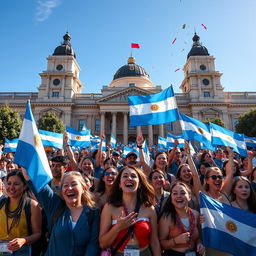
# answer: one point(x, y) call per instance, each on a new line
point(50, 122)
point(215, 120)
point(10, 123)
point(247, 123)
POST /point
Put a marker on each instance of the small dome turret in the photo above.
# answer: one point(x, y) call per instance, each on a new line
point(197, 48)
point(65, 48)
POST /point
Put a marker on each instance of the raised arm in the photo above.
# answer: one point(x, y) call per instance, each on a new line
point(196, 180)
point(70, 153)
point(99, 152)
point(172, 152)
point(250, 165)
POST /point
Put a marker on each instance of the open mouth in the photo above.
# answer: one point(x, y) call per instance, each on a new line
point(129, 185)
point(71, 195)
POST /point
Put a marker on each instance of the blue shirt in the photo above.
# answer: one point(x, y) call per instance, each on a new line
point(80, 241)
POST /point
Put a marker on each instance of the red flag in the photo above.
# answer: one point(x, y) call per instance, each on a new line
point(135, 45)
point(174, 40)
point(204, 26)
point(176, 69)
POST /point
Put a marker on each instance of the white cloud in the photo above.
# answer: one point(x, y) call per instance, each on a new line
point(44, 9)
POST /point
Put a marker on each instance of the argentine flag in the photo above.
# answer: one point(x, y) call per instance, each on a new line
point(228, 228)
point(51, 139)
point(193, 129)
point(79, 138)
point(10, 145)
point(162, 143)
point(30, 152)
point(158, 108)
point(225, 137)
point(113, 141)
point(127, 150)
point(146, 153)
point(171, 139)
point(250, 141)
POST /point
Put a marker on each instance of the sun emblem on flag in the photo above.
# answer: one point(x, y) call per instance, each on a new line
point(37, 140)
point(200, 130)
point(229, 139)
point(154, 107)
point(231, 226)
point(78, 137)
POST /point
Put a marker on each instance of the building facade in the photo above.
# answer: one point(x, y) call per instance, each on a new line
point(60, 92)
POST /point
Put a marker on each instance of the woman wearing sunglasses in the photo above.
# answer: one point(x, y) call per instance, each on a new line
point(105, 184)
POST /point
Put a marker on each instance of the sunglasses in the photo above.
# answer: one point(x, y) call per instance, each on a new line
point(215, 177)
point(110, 173)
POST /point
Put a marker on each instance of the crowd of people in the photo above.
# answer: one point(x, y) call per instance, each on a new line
point(100, 203)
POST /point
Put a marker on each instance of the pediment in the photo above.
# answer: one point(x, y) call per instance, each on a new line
point(122, 95)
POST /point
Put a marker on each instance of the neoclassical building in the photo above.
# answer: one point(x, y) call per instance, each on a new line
point(60, 90)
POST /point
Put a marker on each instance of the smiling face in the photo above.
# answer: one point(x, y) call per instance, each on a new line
point(72, 190)
point(242, 190)
point(180, 196)
point(129, 181)
point(57, 169)
point(161, 161)
point(185, 174)
point(87, 166)
point(110, 176)
point(15, 187)
point(214, 179)
point(158, 180)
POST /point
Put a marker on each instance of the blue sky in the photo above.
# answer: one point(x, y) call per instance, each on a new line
point(102, 31)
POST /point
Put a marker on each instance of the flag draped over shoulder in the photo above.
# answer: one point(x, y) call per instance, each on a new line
point(79, 138)
point(152, 109)
point(51, 139)
point(30, 152)
point(10, 145)
point(193, 129)
point(225, 137)
point(228, 228)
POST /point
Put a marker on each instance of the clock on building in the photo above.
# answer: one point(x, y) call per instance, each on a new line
point(203, 67)
point(206, 82)
point(59, 67)
point(56, 81)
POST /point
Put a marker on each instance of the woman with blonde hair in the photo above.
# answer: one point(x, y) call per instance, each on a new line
point(72, 219)
point(129, 222)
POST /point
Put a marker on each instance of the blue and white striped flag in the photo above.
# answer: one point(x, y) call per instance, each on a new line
point(193, 129)
point(51, 139)
point(228, 228)
point(128, 150)
point(10, 145)
point(95, 140)
point(113, 141)
point(30, 152)
point(162, 143)
point(171, 138)
point(95, 143)
point(79, 138)
point(250, 141)
point(146, 153)
point(158, 108)
point(225, 137)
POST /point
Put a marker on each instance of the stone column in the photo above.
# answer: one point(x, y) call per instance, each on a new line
point(67, 117)
point(114, 123)
point(150, 135)
point(125, 128)
point(161, 130)
point(102, 122)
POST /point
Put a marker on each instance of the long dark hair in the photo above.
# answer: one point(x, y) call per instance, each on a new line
point(102, 187)
point(145, 193)
point(169, 208)
point(157, 154)
point(251, 200)
point(16, 213)
point(179, 173)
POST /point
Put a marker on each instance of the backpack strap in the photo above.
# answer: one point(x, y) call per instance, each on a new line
point(3, 200)
point(27, 209)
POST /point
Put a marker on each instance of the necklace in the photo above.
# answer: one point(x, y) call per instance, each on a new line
point(240, 206)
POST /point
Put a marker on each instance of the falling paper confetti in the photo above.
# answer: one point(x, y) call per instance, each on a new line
point(204, 26)
point(174, 40)
point(176, 69)
point(183, 26)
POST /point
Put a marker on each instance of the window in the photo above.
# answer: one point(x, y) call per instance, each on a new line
point(97, 125)
point(169, 126)
point(56, 81)
point(207, 94)
point(206, 82)
point(81, 124)
point(131, 84)
point(55, 94)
